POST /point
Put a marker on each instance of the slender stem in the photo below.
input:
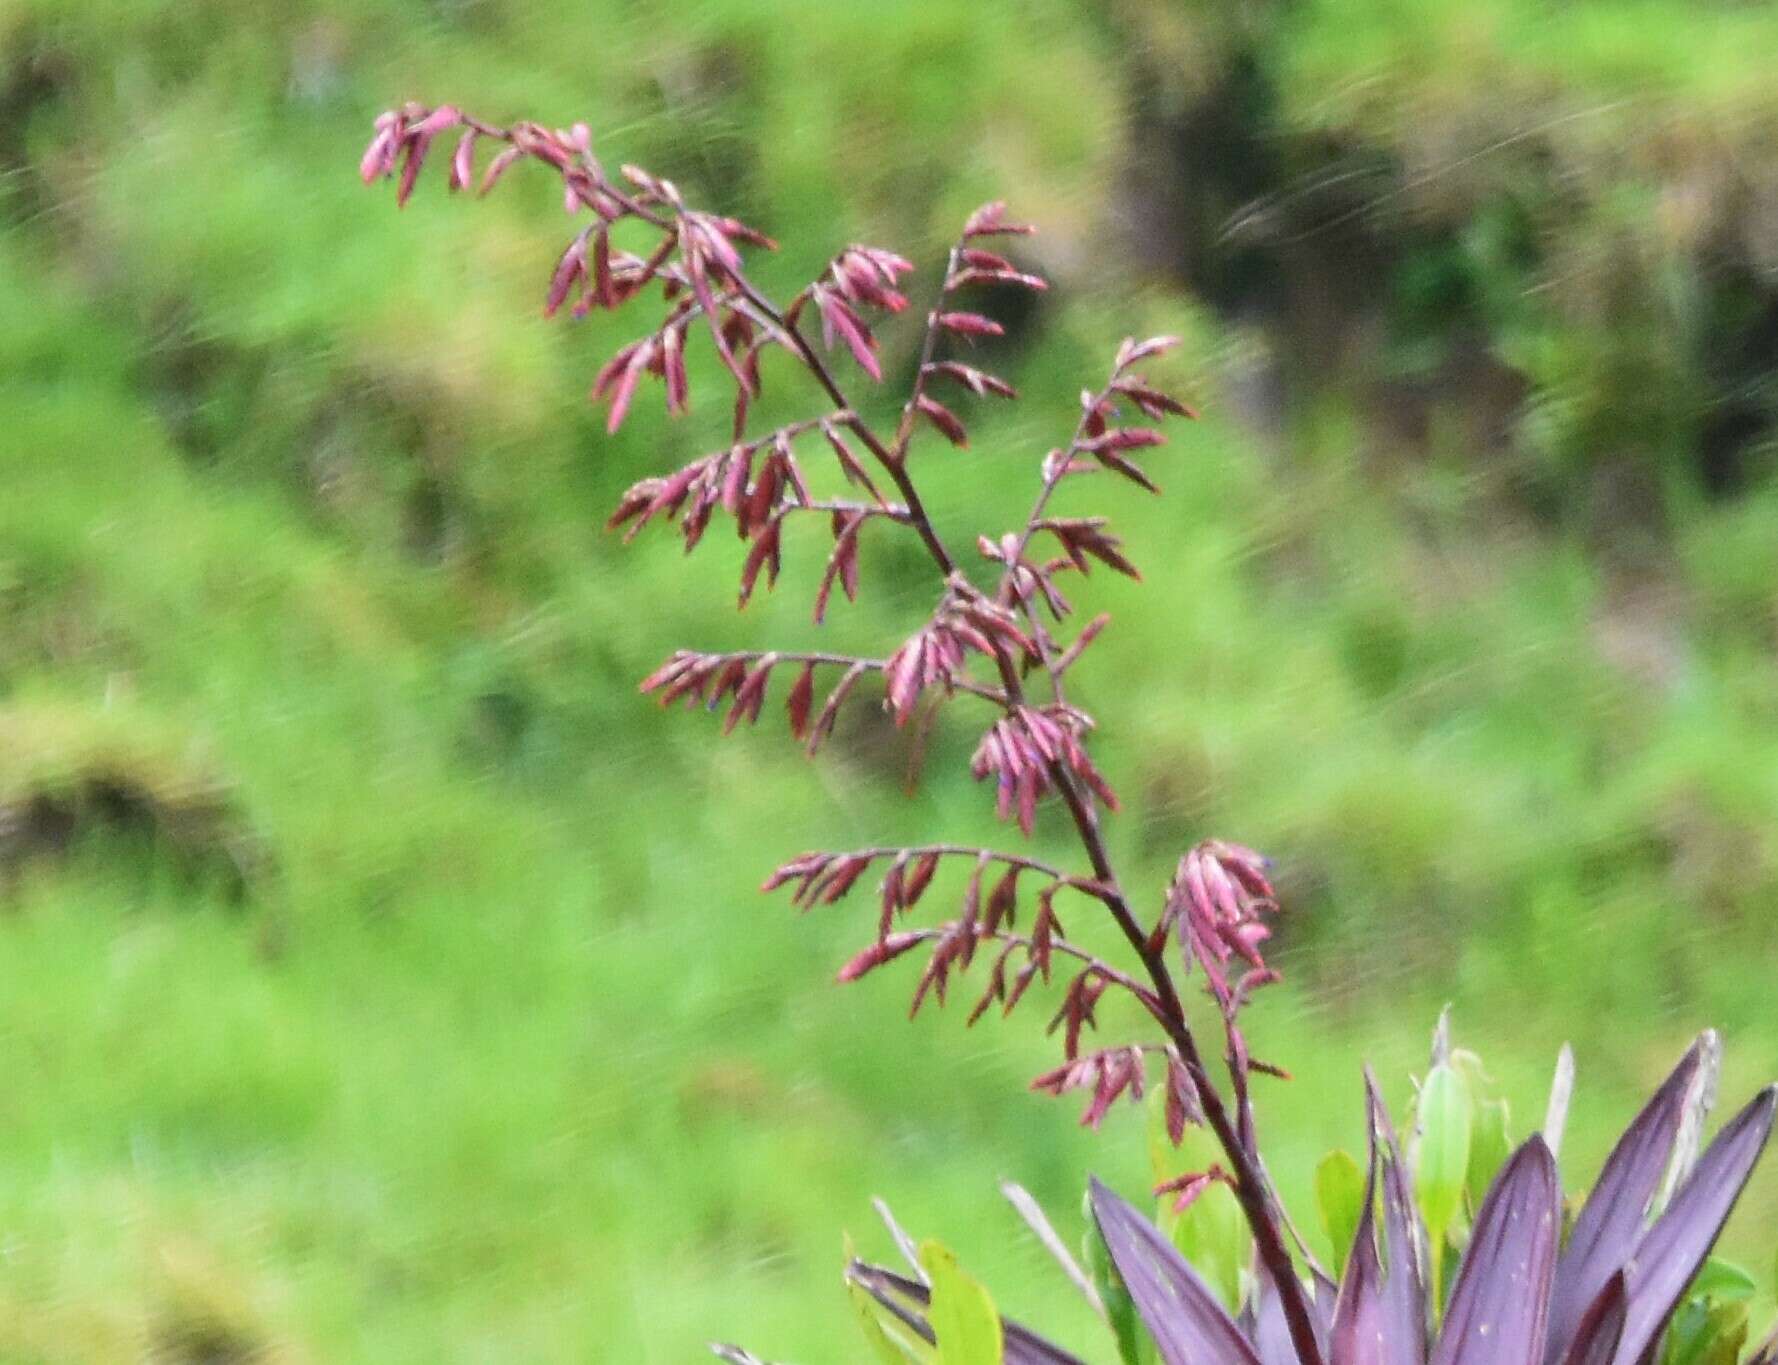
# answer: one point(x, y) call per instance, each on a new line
point(791, 430)
point(806, 656)
point(965, 851)
point(918, 519)
point(904, 430)
point(1063, 946)
point(864, 509)
point(1008, 579)
point(1252, 1189)
point(1041, 638)
point(1009, 590)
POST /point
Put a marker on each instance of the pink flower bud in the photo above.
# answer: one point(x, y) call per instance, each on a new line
point(970, 324)
point(625, 387)
point(837, 316)
point(463, 161)
point(673, 357)
point(990, 219)
point(497, 168)
point(944, 419)
point(379, 156)
point(884, 950)
point(569, 269)
point(1132, 351)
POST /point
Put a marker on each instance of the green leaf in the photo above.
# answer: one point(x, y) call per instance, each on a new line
point(1446, 1119)
point(1489, 1147)
point(1339, 1195)
point(891, 1341)
point(1724, 1281)
point(1703, 1333)
point(962, 1315)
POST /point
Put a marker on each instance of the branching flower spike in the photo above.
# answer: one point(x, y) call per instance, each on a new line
point(985, 641)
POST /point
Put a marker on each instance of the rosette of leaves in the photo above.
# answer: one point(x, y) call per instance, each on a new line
point(1621, 1277)
point(1629, 1280)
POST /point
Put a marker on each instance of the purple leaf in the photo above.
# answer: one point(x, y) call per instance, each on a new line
point(1271, 1329)
point(1670, 1255)
point(1381, 1319)
point(1601, 1326)
point(1499, 1309)
point(1359, 1332)
point(1404, 1299)
point(1188, 1324)
point(1609, 1226)
point(1321, 1307)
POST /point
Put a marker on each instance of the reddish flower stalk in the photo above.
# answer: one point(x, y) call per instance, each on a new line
point(975, 643)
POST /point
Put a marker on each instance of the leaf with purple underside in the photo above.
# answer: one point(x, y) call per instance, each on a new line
point(1358, 1333)
point(1601, 1326)
point(1271, 1329)
point(1379, 1317)
point(1404, 1298)
point(1321, 1308)
point(1670, 1255)
point(1499, 1309)
point(1610, 1224)
point(1182, 1314)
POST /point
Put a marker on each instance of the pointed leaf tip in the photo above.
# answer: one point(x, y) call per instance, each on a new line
point(1611, 1221)
point(1189, 1325)
point(1601, 1326)
point(961, 1313)
point(1499, 1308)
point(1671, 1254)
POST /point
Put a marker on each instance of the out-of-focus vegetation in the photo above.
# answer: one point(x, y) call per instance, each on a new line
point(383, 980)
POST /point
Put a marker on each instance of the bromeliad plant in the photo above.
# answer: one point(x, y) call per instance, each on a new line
point(1624, 1276)
point(1611, 1286)
point(1001, 638)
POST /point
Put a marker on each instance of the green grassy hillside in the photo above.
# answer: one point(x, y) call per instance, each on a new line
point(385, 981)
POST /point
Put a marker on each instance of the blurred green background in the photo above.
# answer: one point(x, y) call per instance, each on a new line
point(384, 981)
